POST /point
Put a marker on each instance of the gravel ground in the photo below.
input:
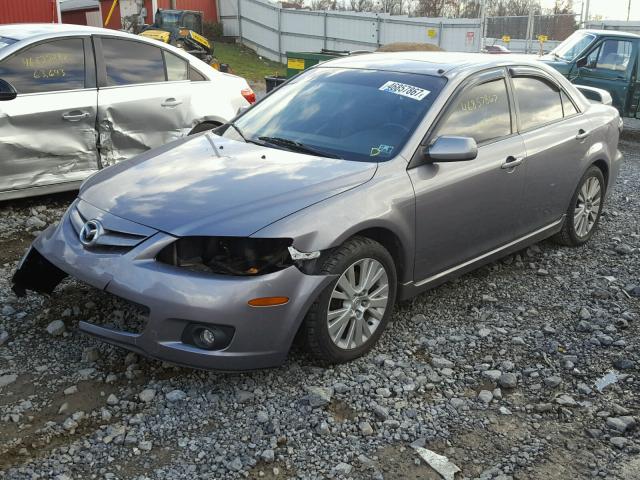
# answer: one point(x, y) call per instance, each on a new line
point(501, 371)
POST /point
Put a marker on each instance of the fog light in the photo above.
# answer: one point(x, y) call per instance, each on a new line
point(207, 338)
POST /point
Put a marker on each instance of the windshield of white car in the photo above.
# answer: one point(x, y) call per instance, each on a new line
point(5, 42)
point(575, 44)
point(363, 115)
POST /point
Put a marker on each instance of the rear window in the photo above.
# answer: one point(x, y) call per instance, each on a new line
point(5, 42)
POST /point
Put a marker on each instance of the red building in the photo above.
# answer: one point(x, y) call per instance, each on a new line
point(81, 12)
point(126, 8)
point(95, 12)
point(33, 11)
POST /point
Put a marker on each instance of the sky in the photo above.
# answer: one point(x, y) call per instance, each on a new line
point(608, 9)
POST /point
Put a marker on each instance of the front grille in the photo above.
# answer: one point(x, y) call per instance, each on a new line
point(116, 313)
point(113, 239)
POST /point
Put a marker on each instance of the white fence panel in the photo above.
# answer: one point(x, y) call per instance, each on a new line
point(354, 30)
point(408, 31)
point(272, 30)
point(229, 17)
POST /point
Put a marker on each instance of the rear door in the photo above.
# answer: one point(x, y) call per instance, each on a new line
point(556, 138)
point(48, 133)
point(144, 97)
point(611, 64)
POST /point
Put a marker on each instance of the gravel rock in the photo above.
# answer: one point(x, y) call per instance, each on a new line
point(508, 380)
point(175, 396)
point(147, 395)
point(621, 424)
point(318, 396)
point(4, 337)
point(485, 396)
point(7, 379)
point(56, 328)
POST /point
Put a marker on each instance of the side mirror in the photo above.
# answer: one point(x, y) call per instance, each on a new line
point(581, 62)
point(7, 91)
point(451, 149)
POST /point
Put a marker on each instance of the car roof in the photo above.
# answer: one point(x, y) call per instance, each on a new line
point(611, 33)
point(24, 31)
point(430, 63)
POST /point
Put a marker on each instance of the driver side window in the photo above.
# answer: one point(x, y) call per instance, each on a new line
point(613, 55)
point(481, 112)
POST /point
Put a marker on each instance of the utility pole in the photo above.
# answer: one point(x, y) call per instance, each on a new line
point(629, 11)
point(586, 12)
point(483, 24)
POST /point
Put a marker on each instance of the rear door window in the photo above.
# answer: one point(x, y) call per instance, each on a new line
point(129, 63)
point(47, 67)
point(538, 102)
point(482, 112)
point(177, 68)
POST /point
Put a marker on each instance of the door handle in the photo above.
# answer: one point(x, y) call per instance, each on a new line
point(75, 116)
point(171, 102)
point(512, 162)
point(582, 134)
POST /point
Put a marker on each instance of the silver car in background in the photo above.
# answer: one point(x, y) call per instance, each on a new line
point(75, 99)
point(362, 181)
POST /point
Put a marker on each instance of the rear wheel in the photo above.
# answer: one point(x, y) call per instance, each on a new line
point(583, 214)
point(352, 312)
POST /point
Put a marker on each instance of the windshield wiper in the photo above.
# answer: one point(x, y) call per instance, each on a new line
point(297, 146)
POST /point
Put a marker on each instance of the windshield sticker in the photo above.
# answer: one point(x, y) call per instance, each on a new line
point(477, 103)
point(381, 149)
point(405, 90)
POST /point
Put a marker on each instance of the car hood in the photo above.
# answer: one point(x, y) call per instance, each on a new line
point(562, 66)
point(209, 185)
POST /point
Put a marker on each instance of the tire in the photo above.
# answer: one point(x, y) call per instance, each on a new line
point(588, 198)
point(364, 255)
point(203, 127)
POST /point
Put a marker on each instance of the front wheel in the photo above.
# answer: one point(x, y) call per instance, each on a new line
point(351, 313)
point(584, 212)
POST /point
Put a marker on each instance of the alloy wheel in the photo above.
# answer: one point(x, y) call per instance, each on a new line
point(358, 303)
point(587, 206)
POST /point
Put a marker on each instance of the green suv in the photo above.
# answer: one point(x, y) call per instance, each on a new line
point(604, 59)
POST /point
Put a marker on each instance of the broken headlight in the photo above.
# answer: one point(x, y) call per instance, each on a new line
point(228, 255)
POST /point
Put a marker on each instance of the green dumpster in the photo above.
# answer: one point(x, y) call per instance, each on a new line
point(299, 61)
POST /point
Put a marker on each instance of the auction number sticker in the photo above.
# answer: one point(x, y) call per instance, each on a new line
point(405, 90)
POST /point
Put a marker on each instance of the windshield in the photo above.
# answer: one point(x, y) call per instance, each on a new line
point(5, 42)
point(573, 46)
point(363, 115)
point(168, 19)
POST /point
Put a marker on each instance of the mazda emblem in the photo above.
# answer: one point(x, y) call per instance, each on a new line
point(90, 232)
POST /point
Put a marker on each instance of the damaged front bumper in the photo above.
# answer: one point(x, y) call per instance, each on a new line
point(177, 300)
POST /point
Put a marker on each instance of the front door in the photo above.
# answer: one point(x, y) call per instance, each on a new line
point(465, 209)
point(610, 65)
point(47, 133)
point(144, 99)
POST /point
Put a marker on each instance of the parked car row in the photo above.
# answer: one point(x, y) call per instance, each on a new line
point(361, 181)
point(76, 99)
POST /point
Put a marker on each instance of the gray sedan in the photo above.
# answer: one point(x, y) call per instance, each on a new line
point(361, 182)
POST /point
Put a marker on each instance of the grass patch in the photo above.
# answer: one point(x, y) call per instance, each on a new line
point(246, 63)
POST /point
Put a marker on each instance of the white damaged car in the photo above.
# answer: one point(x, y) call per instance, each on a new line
point(75, 99)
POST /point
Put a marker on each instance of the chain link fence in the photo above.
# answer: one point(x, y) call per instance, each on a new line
point(530, 33)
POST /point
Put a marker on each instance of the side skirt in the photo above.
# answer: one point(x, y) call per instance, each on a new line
point(411, 289)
